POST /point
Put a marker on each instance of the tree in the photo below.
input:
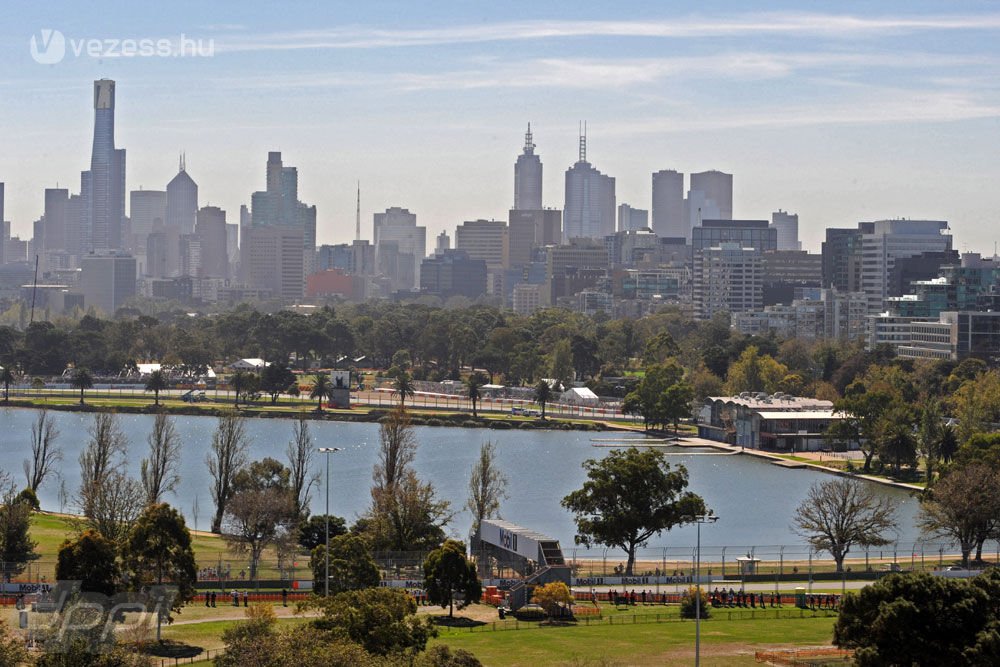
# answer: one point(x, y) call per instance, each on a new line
point(487, 487)
point(543, 394)
point(561, 367)
point(321, 389)
point(351, 565)
point(16, 547)
point(91, 559)
point(448, 572)
point(405, 514)
point(8, 378)
point(312, 532)
point(754, 371)
point(45, 453)
point(382, 620)
point(260, 510)
point(929, 436)
point(403, 387)
point(81, 379)
point(841, 513)
point(862, 411)
point(102, 457)
point(629, 497)
point(675, 403)
point(114, 505)
point(227, 456)
point(159, 472)
point(949, 443)
point(920, 619)
point(275, 379)
point(553, 597)
point(300, 454)
point(896, 441)
point(159, 551)
point(648, 399)
point(156, 383)
point(963, 506)
point(472, 385)
point(13, 652)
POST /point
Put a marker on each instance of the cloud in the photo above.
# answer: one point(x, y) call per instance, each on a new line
point(795, 24)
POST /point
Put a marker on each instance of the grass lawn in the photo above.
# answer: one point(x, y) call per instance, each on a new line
point(723, 642)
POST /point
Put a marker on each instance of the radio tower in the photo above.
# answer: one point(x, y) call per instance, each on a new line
point(583, 141)
point(357, 219)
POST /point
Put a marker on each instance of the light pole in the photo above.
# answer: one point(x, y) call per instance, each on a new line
point(700, 519)
point(328, 451)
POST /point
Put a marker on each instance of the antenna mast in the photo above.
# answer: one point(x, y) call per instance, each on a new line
point(583, 141)
point(357, 218)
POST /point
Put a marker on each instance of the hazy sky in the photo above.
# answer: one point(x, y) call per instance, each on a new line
point(845, 112)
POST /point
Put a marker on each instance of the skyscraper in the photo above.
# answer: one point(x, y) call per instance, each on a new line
point(398, 227)
point(668, 205)
point(787, 225)
point(103, 186)
point(182, 201)
point(211, 232)
point(107, 280)
point(589, 210)
point(710, 197)
point(3, 237)
point(147, 210)
point(528, 177)
point(279, 205)
point(630, 218)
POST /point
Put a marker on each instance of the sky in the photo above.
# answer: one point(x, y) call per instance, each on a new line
point(837, 111)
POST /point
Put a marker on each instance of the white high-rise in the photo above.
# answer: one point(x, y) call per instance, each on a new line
point(590, 208)
point(883, 242)
point(787, 225)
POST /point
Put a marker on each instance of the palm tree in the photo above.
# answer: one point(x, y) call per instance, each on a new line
point(156, 383)
point(82, 379)
point(7, 377)
point(543, 394)
point(472, 384)
point(321, 389)
point(403, 386)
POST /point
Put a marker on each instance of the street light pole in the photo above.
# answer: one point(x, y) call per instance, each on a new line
point(700, 519)
point(328, 451)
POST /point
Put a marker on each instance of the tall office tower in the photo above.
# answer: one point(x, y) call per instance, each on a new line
point(728, 277)
point(787, 225)
point(442, 243)
point(211, 231)
point(485, 240)
point(190, 255)
point(107, 280)
point(233, 247)
point(842, 259)
point(182, 200)
point(362, 258)
point(717, 188)
point(589, 209)
point(147, 210)
point(103, 185)
point(631, 219)
point(886, 242)
point(54, 221)
point(453, 273)
point(528, 177)
point(273, 257)
point(279, 205)
point(748, 233)
point(398, 226)
point(163, 252)
point(669, 220)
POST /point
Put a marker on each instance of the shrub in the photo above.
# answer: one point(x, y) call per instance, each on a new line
point(688, 606)
point(530, 612)
point(29, 496)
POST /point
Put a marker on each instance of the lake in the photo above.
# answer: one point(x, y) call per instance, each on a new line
point(754, 499)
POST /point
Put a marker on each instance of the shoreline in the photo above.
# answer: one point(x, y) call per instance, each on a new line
point(364, 414)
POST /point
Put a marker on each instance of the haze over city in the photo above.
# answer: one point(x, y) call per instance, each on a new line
point(840, 114)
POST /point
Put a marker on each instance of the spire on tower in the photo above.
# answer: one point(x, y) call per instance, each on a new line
point(357, 220)
point(182, 166)
point(529, 145)
point(583, 141)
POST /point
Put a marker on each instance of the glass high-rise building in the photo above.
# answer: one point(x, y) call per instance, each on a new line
point(590, 206)
point(528, 177)
point(103, 186)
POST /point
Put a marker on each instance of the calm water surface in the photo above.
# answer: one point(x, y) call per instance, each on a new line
point(754, 499)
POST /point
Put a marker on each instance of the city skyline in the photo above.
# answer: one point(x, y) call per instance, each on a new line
point(837, 115)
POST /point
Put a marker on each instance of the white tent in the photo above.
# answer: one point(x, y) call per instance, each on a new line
point(579, 396)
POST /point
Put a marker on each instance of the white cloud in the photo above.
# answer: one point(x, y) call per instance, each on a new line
point(796, 24)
